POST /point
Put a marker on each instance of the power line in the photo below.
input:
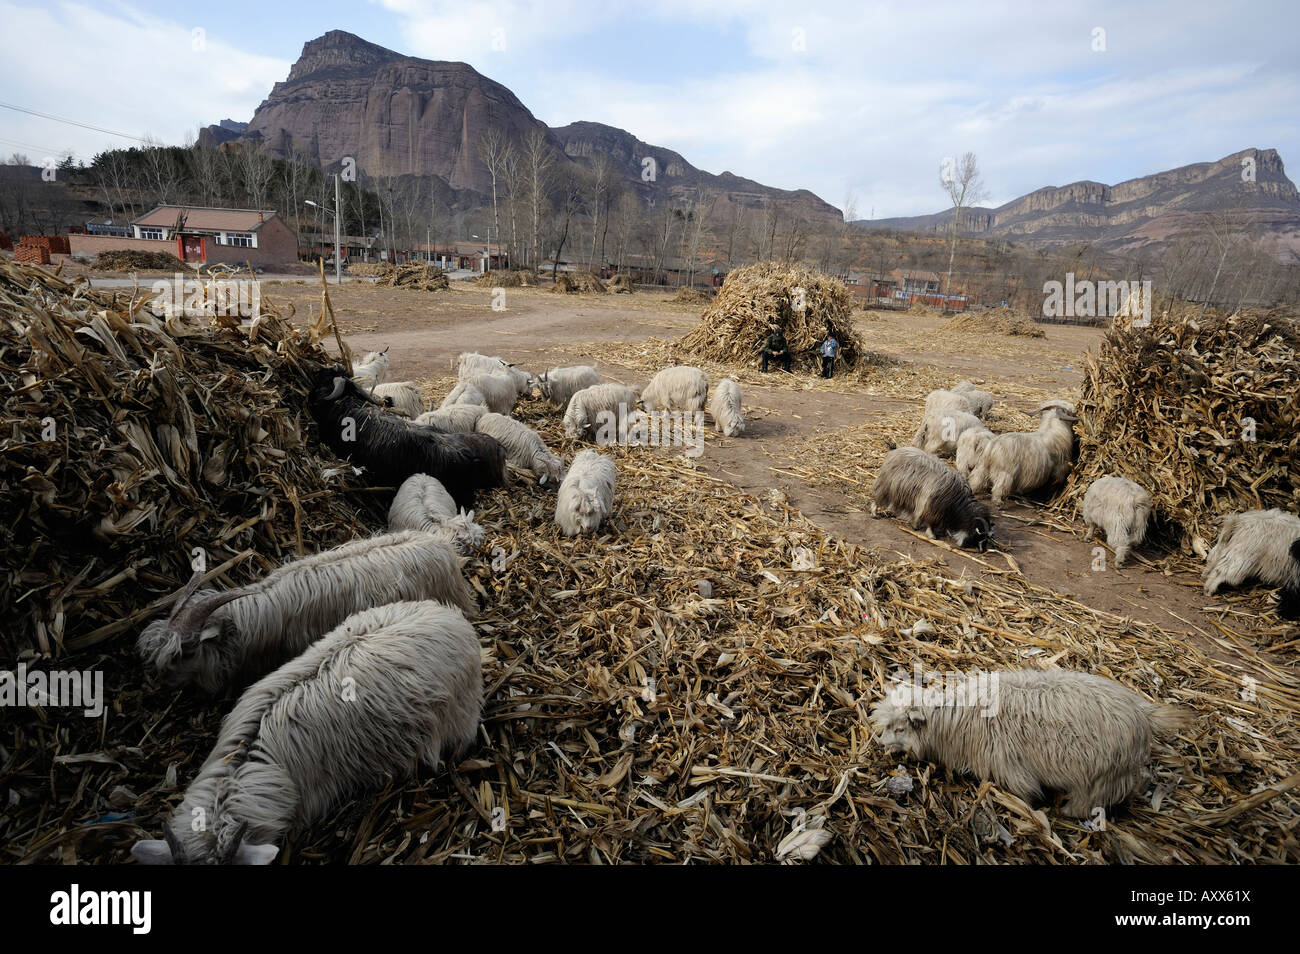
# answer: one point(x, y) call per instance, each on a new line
point(31, 145)
point(72, 122)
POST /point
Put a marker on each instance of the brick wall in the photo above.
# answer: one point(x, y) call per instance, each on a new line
point(54, 244)
point(31, 254)
point(92, 245)
point(276, 245)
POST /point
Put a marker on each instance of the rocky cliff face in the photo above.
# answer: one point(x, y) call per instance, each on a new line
point(400, 115)
point(1143, 211)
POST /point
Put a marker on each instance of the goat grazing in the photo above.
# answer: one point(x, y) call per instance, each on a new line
point(725, 407)
point(496, 392)
point(1017, 463)
point(371, 370)
point(1031, 731)
point(524, 447)
point(923, 490)
point(981, 401)
point(586, 496)
point(216, 639)
point(470, 363)
point(970, 446)
point(1259, 545)
point(391, 449)
point(948, 401)
point(402, 396)
point(586, 407)
point(941, 428)
point(453, 419)
point(558, 385)
point(1120, 507)
point(422, 503)
point(679, 388)
point(386, 689)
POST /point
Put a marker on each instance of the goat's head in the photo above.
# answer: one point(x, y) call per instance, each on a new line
point(228, 847)
point(190, 646)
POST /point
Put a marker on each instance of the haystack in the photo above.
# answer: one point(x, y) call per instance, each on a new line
point(415, 275)
point(127, 260)
point(370, 269)
point(512, 278)
point(621, 284)
point(754, 299)
point(688, 295)
point(129, 441)
point(1203, 413)
point(996, 321)
point(570, 283)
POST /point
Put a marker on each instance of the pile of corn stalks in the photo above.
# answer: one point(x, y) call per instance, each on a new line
point(1204, 413)
point(414, 275)
point(996, 321)
point(575, 283)
point(801, 301)
point(128, 440)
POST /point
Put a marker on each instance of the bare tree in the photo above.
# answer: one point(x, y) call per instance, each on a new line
point(964, 185)
point(538, 174)
point(205, 170)
point(163, 173)
point(256, 167)
point(492, 147)
point(602, 172)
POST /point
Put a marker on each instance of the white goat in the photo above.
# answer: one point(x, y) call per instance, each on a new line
point(470, 363)
point(981, 401)
point(371, 370)
point(213, 645)
point(558, 385)
point(464, 393)
point(524, 447)
point(1017, 463)
point(970, 446)
point(587, 406)
point(388, 688)
point(405, 397)
point(679, 388)
point(453, 419)
point(1120, 507)
point(586, 496)
point(941, 428)
point(1258, 545)
point(499, 391)
point(422, 503)
point(1031, 731)
point(948, 401)
point(725, 407)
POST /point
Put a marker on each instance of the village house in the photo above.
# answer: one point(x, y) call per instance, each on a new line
point(202, 236)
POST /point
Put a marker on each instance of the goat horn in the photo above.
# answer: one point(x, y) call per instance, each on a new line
point(186, 593)
point(340, 383)
point(192, 618)
point(232, 846)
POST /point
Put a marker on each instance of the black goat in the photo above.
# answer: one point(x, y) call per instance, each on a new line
point(391, 449)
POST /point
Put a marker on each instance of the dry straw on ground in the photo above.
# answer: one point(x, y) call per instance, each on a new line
point(621, 284)
point(127, 260)
point(996, 321)
point(414, 275)
point(513, 278)
point(691, 296)
point(584, 283)
point(1204, 413)
point(632, 714)
point(801, 301)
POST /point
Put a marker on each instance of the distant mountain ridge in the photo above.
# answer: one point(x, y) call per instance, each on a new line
point(403, 115)
point(1138, 213)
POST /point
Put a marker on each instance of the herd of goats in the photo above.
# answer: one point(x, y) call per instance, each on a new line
point(361, 661)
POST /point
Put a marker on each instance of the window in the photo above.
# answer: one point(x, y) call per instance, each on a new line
point(156, 234)
point(242, 239)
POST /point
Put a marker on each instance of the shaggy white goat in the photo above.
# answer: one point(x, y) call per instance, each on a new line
point(499, 392)
point(422, 503)
point(1031, 731)
point(405, 396)
point(586, 406)
point(371, 370)
point(948, 401)
point(1120, 507)
point(725, 407)
point(1017, 463)
point(941, 428)
point(213, 645)
point(558, 385)
point(924, 491)
point(388, 688)
point(464, 393)
point(981, 401)
point(453, 419)
point(970, 445)
point(524, 447)
point(470, 363)
point(1258, 545)
point(586, 496)
point(679, 388)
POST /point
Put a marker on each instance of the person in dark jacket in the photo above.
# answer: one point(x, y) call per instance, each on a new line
point(830, 349)
point(775, 347)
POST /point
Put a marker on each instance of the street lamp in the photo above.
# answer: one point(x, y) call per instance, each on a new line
point(338, 254)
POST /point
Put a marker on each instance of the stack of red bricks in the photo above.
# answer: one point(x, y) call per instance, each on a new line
point(54, 244)
point(31, 254)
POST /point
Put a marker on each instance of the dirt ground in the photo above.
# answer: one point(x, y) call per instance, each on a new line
point(423, 333)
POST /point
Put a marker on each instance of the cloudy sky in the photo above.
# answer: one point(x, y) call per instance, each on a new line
point(839, 98)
